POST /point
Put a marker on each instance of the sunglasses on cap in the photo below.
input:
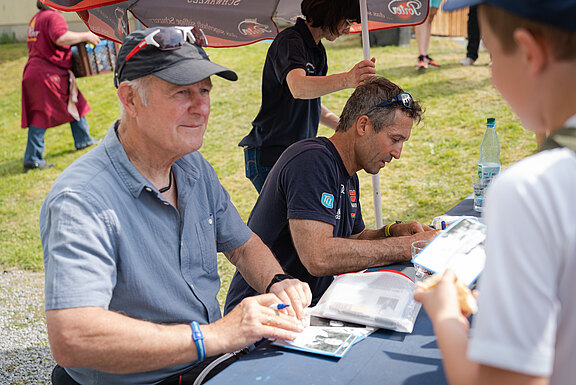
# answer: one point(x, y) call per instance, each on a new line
point(405, 98)
point(166, 39)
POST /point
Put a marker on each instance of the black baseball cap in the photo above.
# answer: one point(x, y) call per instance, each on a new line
point(185, 63)
point(557, 13)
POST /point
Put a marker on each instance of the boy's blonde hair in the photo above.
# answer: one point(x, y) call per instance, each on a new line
point(504, 23)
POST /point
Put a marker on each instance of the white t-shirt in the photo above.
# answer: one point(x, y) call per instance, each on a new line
point(527, 317)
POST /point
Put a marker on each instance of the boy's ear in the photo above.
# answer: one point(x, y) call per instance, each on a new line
point(534, 50)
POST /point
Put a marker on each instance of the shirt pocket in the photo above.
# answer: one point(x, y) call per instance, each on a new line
point(205, 230)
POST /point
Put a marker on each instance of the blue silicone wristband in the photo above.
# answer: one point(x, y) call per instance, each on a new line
point(198, 338)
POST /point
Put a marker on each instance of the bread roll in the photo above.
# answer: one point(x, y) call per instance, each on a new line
point(467, 301)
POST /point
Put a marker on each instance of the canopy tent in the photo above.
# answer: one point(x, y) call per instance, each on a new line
point(230, 23)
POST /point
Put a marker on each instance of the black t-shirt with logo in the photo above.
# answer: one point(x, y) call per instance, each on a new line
point(283, 120)
point(309, 181)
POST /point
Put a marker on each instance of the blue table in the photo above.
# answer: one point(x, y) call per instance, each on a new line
point(465, 207)
point(384, 357)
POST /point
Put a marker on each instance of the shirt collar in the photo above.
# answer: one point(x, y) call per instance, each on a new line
point(135, 182)
point(337, 156)
point(129, 175)
point(303, 30)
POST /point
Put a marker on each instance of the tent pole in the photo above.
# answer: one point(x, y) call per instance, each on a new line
point(366, 50)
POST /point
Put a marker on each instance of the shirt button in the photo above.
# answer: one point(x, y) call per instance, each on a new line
point(166, 203)
point(210, 221)
point(148, 189)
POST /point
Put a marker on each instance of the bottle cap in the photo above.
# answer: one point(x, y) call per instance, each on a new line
point(491, 121)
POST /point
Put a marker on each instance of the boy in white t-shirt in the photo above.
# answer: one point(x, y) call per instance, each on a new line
point(524, 332)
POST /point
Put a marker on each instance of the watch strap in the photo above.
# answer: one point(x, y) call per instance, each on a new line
point(277, 278)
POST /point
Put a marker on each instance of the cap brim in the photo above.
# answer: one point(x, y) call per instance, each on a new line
point(192, 71)
point(452, 5)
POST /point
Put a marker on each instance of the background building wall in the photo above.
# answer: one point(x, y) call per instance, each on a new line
point(16, 14)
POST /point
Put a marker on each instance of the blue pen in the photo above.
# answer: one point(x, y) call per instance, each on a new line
point(278, 306)
point(443, 225)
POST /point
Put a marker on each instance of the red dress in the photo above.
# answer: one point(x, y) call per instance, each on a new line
point(45, 83)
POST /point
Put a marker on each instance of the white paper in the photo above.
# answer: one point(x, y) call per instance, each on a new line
point(379, 299)
point(460, 247)
point(330, 341)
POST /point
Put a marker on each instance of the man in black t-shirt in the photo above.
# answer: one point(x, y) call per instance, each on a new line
point(309, 212)
point(293, 80)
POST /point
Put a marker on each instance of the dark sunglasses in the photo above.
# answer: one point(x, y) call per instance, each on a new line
point(405, 98)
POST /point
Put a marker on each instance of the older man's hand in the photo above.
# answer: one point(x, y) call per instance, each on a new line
point(250, 321)
point(295, 293)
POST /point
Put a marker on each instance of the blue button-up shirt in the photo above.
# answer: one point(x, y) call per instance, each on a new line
point(111, 240)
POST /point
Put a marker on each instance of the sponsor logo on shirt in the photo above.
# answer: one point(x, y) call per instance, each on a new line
point(352, 195)
point(32, 33)
point(310, 69)
point(353, 215)
point(327, 200)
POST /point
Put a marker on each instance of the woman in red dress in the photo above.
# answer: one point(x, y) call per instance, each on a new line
point(49, 93)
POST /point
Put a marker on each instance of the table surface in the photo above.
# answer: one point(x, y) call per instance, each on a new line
point(384, 357)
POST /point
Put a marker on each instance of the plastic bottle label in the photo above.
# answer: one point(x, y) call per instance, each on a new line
point(487, 171)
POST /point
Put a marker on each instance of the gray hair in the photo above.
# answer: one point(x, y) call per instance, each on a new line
point(140, 85)
point(369, 94)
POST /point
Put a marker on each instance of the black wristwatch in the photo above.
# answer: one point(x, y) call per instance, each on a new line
point(277, 278)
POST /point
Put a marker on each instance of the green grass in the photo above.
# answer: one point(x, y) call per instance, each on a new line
point(434, 173)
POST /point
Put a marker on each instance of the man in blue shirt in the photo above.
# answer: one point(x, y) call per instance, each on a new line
point(309, 213)
point(130, 233)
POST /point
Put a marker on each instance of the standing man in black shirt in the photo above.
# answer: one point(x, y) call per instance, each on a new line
point(293, 80)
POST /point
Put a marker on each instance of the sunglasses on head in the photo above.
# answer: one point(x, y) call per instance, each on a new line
point(166, 39)
point(405, 98)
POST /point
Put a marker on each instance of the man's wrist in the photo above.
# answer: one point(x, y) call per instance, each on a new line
point(198, 339)
point(387, 228)
point(277, 278)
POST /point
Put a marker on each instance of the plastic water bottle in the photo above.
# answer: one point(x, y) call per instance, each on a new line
point(489, 163)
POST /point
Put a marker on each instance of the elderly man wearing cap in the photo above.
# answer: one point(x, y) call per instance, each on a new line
point(130, 233)
point(524, 332)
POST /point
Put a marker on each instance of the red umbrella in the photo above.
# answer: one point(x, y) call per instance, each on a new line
point(226, 23)
point(230, 23)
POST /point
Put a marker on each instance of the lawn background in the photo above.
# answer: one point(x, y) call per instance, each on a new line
point(434, 173)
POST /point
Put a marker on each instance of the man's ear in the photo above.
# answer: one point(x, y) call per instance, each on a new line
point(127, 96)
point(534, 50)
point(362, 125)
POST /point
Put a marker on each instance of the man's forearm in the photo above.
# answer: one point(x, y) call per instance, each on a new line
point(312, 87)
point(99, 339)
point(255, 262)
point(342, 255)
point(328, 118)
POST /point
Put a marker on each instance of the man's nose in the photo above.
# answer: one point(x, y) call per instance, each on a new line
point(396, 153)
point(198, 104)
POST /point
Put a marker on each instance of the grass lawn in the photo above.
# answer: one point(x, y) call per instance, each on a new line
point(435, 172)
